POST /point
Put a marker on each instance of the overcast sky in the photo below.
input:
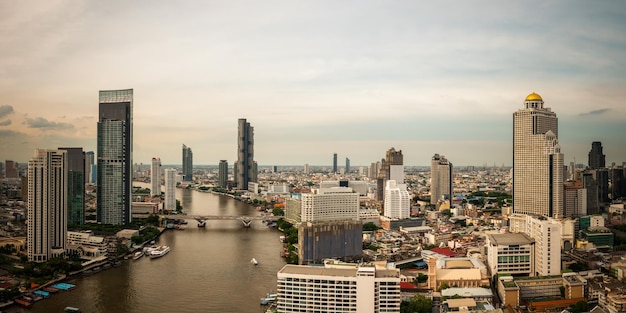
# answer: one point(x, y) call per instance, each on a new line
point(314, 77)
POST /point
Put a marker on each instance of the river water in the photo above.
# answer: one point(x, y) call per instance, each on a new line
point(207, 270)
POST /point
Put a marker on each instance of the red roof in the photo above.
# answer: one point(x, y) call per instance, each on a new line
point(407, 286)
point(445, 251)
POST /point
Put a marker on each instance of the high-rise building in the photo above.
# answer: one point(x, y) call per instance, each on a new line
point(10, 169)
point(340, 239)
point(155, 177)
point(596, 157)
point(593, 196)
point(537, 160)
point(306, 168)
point(574, 199)
point(115, 157)
point(246, 167)
point(47, 205)
point(76, 185)
point(330, 204)
point(392, 167)
point(365, 288)
point(223, 174)
point(89, 167)
point(170, 190)
point(440, 179)
point(347, 165)
point(187, 164)
point(397, 201)
point(547, 235)
point(618, 186)
point(335, 163)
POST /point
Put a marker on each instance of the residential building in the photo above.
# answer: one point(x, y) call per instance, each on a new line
point(574, 199)
point(329, 204)
point(115, 157)
point(155, 177)
point(392, 167)
point(170, 190)
point(187, 164)
point(10, 169)
point(75, 163)
point(335, 163)
point(397, 201)
point(512, 253)
point(47, 205)
point(245, 168)
point(547, 235)
point(222, 175)
point(341, 239)
point(441, 179)
point(347, 165)
point(363, 288)
point(90, 167)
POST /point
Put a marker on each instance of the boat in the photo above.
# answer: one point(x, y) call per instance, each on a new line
point(71, 309)
point(269, 298)
point(159, 252)
point(138, 255)
point(254, 261)
point(23, 302)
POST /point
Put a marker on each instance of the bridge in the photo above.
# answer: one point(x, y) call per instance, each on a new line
point(201, 219)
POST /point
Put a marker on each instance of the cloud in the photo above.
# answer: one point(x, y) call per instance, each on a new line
point(5, 123)
point(595, 112)
point(5, 110)
point(41, 122)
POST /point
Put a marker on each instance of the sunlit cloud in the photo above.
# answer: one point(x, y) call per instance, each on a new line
point(42, 123)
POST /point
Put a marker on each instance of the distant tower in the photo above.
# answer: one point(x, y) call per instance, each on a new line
point(75, 163)
point(10, 169)
point(90, 168)
point(223, 174)
point(115, 157)
point(47, 205)
point(246, 167)
point(392, 168)
point(306, 168)
point(347, 165)
point(537, 160)
point(596, 157)
point(155, 177)
point(187, 164)
point(170, 190)
point(335, 163)
point(397, 201)
point(440, 179)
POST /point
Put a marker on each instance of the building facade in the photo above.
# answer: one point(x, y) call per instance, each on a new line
point(332, 239)
point(76, 185)
point(537, 160)
point(222, 175)
point(547, 235)
point(115, 157)
point(512, 253)
point(392, 167)
point(245, 168)
point(596, 156)
point(47, 205)
point(335, 163)
point(440, 179)
point(330, 204)
point(397, 201)
point(170, 190)
point(187, 164)
point(155, 177)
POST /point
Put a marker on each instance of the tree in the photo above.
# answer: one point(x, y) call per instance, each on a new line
point(417, 304)
point(179, 207)
point(370, 227)
point(579, 307)
point(278, 212)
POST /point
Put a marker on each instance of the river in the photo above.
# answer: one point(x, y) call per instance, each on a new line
point(207, 270)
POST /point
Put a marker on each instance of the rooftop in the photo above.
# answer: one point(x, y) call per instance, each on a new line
point(510, 239)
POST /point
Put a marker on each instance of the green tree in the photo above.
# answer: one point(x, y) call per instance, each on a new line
point(579, 307)
point(370, 227)
point(278, 212)
point(417, 304)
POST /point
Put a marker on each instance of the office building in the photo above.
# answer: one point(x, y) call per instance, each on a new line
point(392, 168)
point(155, 177)
point(547, 235)
point(440, 179)
point(574, 199)
point(90, 167)
point(596, 156)
point(245, 168)
point(329, 204)
point(397, 201)
point(618, 186)
point(115, 157)
point(187, 164)
point(75, 164)
point(10, 169)
point(340, 239)
point(170, 190)
point(47, 205)
point(363, 288)
point(512, 253)
point(537, 160)
point(222, 175)
point(347, 166)
point(335, 163)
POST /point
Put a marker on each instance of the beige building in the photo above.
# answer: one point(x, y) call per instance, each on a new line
point(537, 160)
point(547, 235)
point(456, 272)
point(512, 253)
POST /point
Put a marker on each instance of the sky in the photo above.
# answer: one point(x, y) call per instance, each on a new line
point(313, 77)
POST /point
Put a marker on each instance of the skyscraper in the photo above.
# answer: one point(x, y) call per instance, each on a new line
point(334, 162)
point(115, 156)
point(246, 167)
point(347, 165)
point(89, 167)
point(397, 201)
point(392, 168)
point(537, 160)
point(155, 177)
point(596, 157)
point(10, 169)
point(187, 164)
point(223, 174)
point(75, 163)
point(170, 190)
point(47, 205)
point(440, 179)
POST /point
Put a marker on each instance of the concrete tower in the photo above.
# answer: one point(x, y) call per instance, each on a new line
point(246, 167)
point(440, 179)
point(596, 157)
point(392, 168)
point(187, 164)
point(537, 160)
point(115, 156)
point(223, 174)
point(155, 177)
point(170, 190)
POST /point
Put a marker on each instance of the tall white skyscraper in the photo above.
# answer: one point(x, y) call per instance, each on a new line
point(155, 177)
point(170, 190)
point(440, 179)
point(537, 160)
point(547, 235)
point(47, 205)
point(397, 201)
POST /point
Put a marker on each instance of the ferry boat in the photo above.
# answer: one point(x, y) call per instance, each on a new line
point(71, 309)
point(159, 252)
point(138, 255)
point(269, 298)
point(254, 261)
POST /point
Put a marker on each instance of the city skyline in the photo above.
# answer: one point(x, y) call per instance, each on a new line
point(355, 80)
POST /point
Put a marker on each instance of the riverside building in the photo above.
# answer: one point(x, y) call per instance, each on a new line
point(246, 169)
point(155, 177)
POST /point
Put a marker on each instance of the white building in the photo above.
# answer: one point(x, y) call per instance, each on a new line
point(155, 177)
point(170, 190)
point(86, 245)
point(537, 160)
point(547, 235)
point(397, 201)
point(47, 205)
point(364, 288)
point(512, 253)
point(329, 204)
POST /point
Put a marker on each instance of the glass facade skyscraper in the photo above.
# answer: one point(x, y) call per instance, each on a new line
point(75, 185)
point(187, 164)
point(115, 157)
point(246, 167)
